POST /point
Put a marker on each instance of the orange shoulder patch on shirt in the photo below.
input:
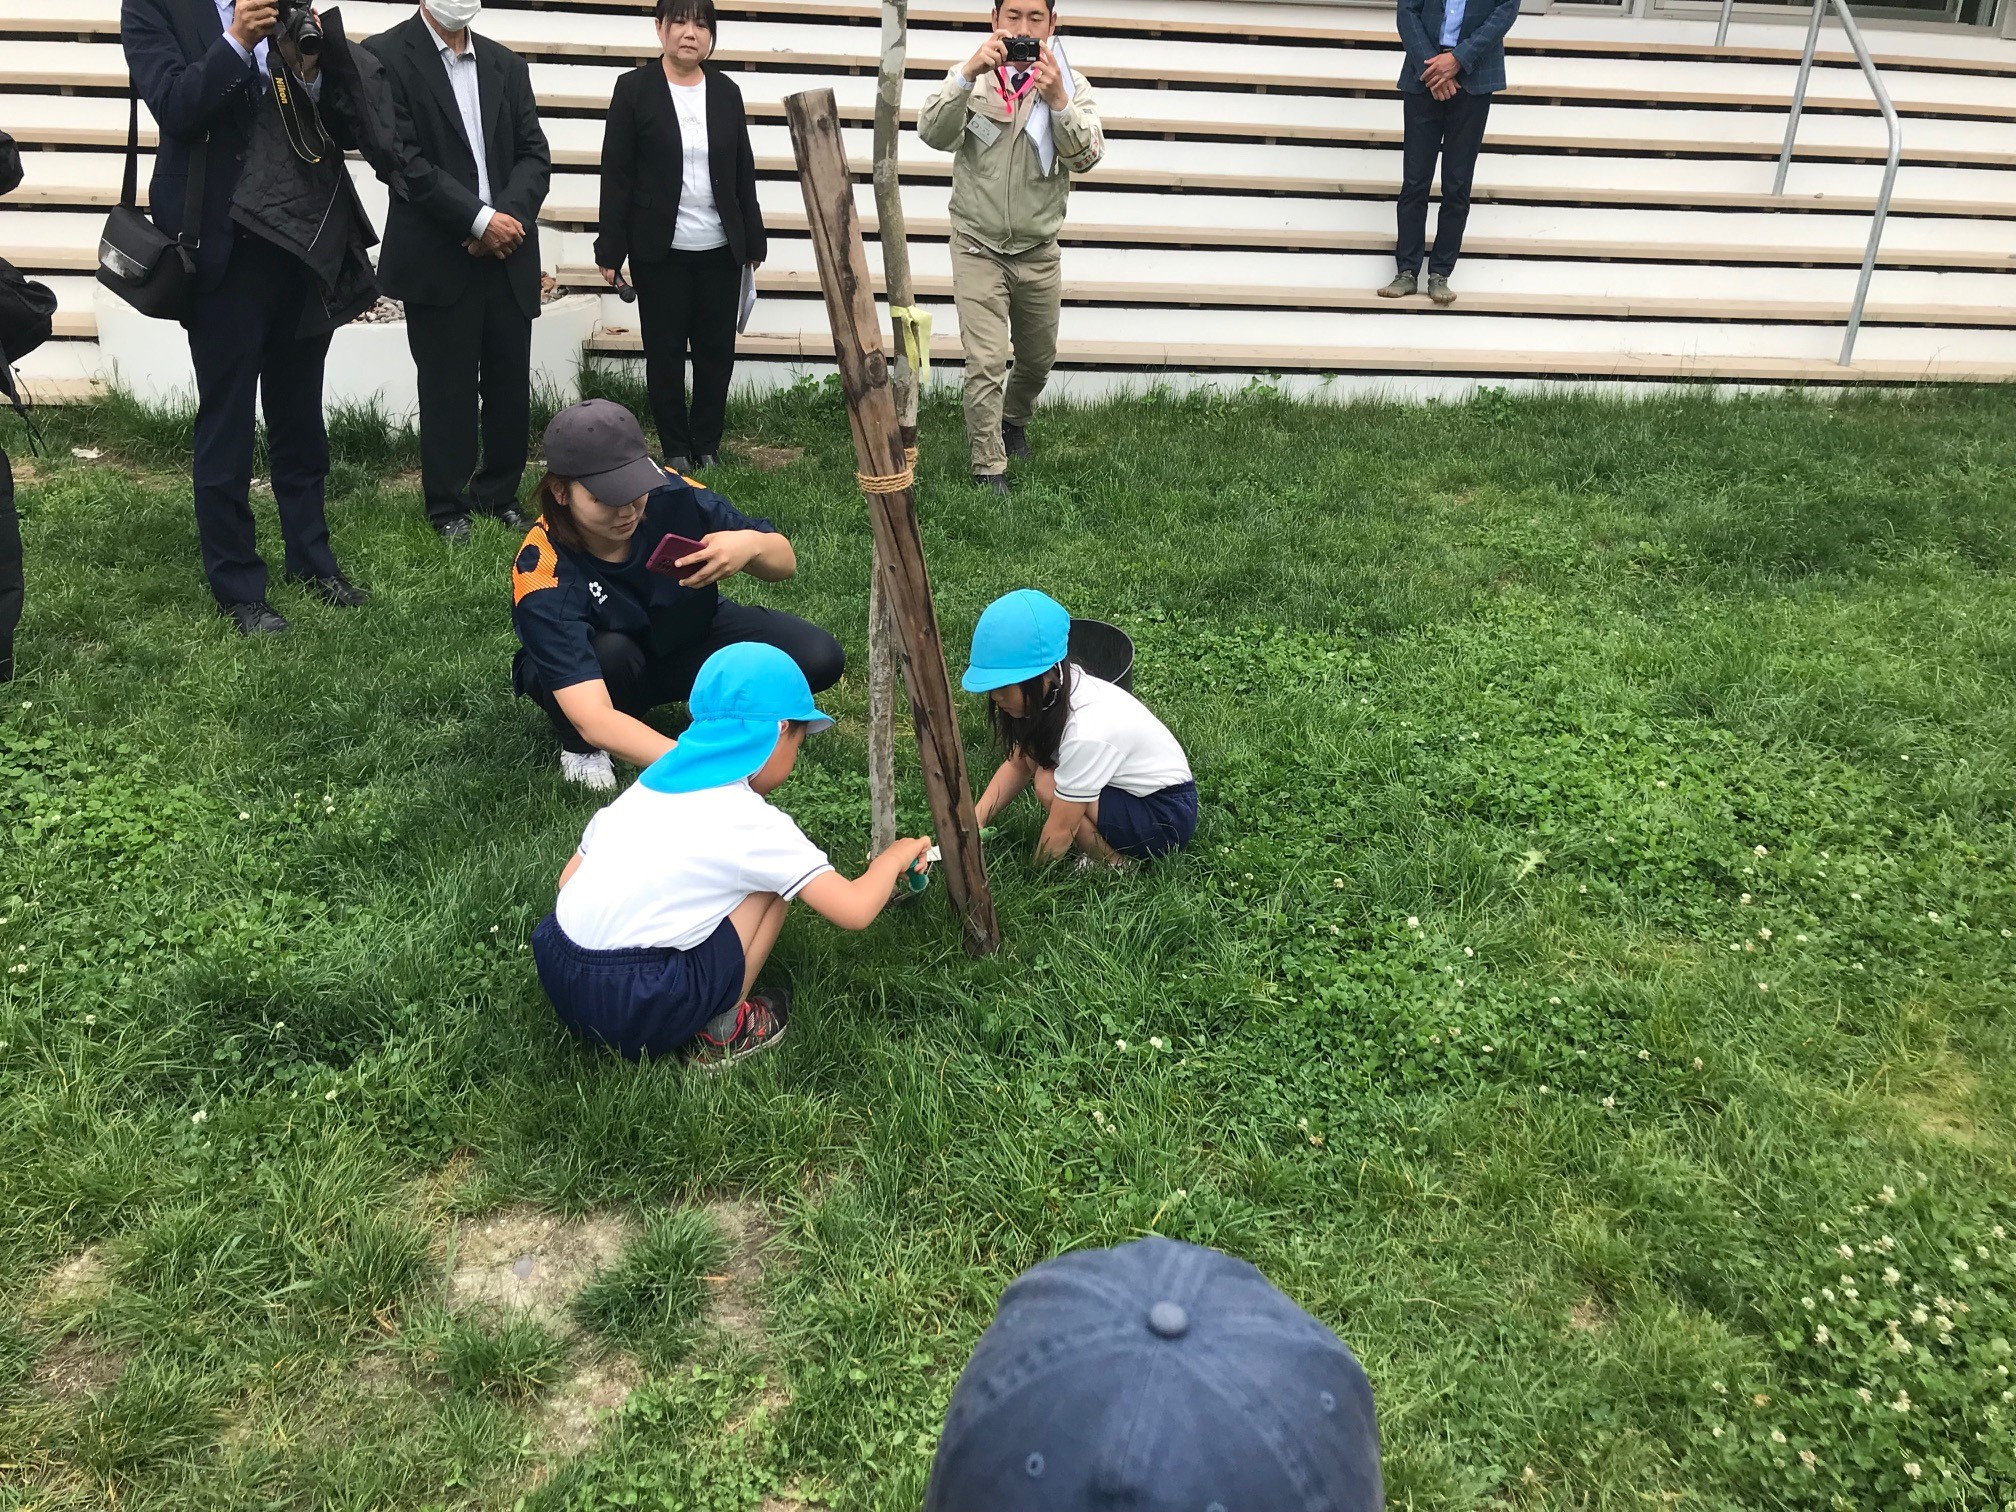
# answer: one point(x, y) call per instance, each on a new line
point(536, 566)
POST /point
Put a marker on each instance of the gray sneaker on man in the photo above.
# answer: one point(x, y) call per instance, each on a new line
point(1403, 284)
point(1439, 290)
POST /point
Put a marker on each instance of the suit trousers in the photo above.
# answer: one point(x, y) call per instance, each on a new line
point(245, 343)
point(1008, 309)
point(474, 361)
point(10, 569)
point(1454, 130)
point(688, 299)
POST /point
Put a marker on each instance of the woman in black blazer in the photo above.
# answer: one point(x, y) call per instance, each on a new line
point(679, 202)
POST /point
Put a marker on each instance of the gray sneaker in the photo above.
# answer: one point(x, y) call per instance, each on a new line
point(1439, 290)
point(1403, 284)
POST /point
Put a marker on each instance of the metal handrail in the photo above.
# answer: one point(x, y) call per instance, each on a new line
point(1890, 122)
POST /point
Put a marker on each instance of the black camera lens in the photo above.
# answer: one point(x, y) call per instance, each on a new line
point(1023, 50)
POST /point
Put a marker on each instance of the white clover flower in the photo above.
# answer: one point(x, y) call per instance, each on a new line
point(1337, 882)
point(1745, 898)
point(199, 1116)
point(1920, 1316)
point(1911, 1467)
point(1809, 1459)
point(1609, 1102)
point(1799, 939)
point(1759, 851)
point(1763, 986)
point(1807, 1303)
point(1996, 1231)
point(330, 1095)
point(1660, 783)
point(1899, 1343)
point(1413, 922)
point(1554, 1001)
point(1886, 1244)
point(1697, 1063)
point(1960, 1267)
point(1981, 1252)
point(1820, 1334)
point(1763, 934)
point(1469, 953)
point(1543, 1089)
point(1891, 1275)
point(1864, 1393)
point(1155, 1041)
point(1845, 1251)
point(1716, 1431)
point(21, 970)
point(1489, 1051)
point(1887, 1196)
point(1851, 1294)
point(1903, 1402)
point(1119, 1044)
point(1777, 1435)
point(243, 815)
point(1827, 1293)
point(90, 1019)
point(1933, 917)
point(1717, 1386)
point(493, 929)
point(1856, 896)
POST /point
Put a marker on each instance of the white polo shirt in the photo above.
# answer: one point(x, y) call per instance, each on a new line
point(662, 869)
point(1111, 740)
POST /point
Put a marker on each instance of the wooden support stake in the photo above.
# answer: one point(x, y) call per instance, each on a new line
point(878, 449)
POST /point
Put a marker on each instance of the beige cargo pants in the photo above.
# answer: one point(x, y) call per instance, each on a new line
point(1007, 308)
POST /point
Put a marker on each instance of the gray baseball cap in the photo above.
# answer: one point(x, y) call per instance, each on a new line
point(600, 444)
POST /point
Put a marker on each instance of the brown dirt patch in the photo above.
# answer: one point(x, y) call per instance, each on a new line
point(530, 1261)
point(77, 1280)
point(1943, 1100)
point(73, 1367)
point(767, 458)
point(1588, 1317)
point(570, 1416)
point(24, 470)
point(748, 1232)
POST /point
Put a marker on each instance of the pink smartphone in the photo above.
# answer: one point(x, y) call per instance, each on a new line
point(668, 553)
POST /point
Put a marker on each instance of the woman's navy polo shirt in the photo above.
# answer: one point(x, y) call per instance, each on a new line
point(561, 599)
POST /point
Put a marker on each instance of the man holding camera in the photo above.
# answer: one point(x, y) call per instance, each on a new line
point(1455, 62)
point(202, 66)
point(462, 251)
point(1020, 123)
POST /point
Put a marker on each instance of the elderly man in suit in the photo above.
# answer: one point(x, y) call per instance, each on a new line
point(462, 250)
point(203, 68)
point(1455, 62)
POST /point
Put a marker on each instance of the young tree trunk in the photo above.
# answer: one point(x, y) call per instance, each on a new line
point(903, 381)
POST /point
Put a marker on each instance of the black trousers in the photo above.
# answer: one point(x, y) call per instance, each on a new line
point(1452, 129)
point(640, 680)
point(688, 300)
point(10, 569)
point(244, 342)
point(474, 359)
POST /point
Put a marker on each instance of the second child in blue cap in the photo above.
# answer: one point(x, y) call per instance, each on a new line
point(670, 906)
point(1112, 780)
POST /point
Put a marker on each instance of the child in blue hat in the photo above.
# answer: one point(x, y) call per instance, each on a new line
point(670, 906)
point(1112, 780)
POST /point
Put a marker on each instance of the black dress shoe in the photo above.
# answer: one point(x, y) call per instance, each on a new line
point(455, 532)
point(1016, 439)
point(997, 482)
point(678, 464)
point(707, 460)
point(514, 517)
point(336, 590)
point(256, 618)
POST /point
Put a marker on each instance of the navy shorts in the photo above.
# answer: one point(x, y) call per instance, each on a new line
point(1145, 828)
point(649, 1000)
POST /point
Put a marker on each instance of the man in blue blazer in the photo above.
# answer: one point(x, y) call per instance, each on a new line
point(1455, 62)
point(201, 67)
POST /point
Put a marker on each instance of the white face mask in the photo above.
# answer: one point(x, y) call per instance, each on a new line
point(453, 15)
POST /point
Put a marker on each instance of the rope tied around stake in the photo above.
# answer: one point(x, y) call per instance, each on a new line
point(889, 483)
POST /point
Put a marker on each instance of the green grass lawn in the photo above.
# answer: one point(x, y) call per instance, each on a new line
point(1589, 990)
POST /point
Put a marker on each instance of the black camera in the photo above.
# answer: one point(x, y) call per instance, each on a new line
point(298, 24)
point(1024, 50)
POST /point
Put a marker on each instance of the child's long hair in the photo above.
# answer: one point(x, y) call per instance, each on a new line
point(1039, 734)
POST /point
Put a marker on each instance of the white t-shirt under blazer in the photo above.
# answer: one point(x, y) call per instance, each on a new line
point(698, 228)
point(662, 869)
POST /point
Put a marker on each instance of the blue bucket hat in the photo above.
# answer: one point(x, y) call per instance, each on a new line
point(1158, 1376)
point(742, 694)
point(1020, 635)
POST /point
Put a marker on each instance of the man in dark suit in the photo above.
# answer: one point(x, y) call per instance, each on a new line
point(1455, 62)
point(462, 251)
point(201, 66)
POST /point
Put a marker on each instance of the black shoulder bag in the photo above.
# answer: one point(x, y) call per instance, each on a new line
point(149, 269)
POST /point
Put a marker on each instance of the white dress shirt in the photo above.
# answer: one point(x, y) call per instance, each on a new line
point(257, 56)
point(1452, 23)
point(462, 80)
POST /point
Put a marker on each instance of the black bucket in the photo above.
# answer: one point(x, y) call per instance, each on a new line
point(1106, 651)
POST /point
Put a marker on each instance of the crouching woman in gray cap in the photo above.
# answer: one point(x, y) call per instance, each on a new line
point(1161, 1377)
point(611, 621)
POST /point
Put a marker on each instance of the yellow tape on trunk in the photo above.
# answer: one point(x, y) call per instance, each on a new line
point(914, 323)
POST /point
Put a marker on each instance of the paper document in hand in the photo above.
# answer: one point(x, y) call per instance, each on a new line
point(748, 297)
